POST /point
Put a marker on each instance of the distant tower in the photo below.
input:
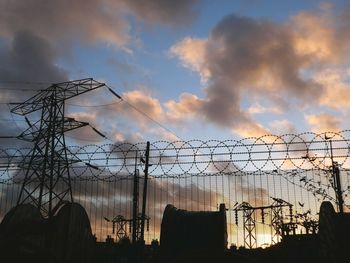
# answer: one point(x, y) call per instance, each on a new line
point(47, 181)
point(249, 226)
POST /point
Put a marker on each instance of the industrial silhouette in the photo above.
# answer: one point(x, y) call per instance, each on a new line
point(265, 201)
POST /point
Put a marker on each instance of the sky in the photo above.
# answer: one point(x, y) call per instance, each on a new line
point(206, 70)
point(186, 69)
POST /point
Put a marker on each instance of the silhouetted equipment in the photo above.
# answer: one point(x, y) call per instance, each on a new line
point(184, 232)
point(144, 194)
point(334, 232)
point(121, 223)
point(136, 228)
point(71, 236)
point(47, 180)
point(249, 221)
point(300, 220)
point(336, 178)
point(338, 188)
point(277, 217)
point(122, 226)
point(248, 224)
point(22, 228)
point(65, 237)
point(138, 220)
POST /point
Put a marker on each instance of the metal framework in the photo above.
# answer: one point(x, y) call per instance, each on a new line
point(248, 224)
point(277, 218)
point(120, 225)
point(47, 181)
point(249, 221)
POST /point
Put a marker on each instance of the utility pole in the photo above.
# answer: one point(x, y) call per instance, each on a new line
point(336, 180)
point(144, 198)
point(135, 227)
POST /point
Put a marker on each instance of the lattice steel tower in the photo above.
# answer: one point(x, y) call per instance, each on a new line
point(47, 181)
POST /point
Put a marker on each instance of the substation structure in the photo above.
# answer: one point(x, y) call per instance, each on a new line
point(62, 202)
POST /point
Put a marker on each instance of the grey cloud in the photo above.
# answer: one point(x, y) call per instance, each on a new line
point(64, 20)
point(240, 53)
point(166, 11)
point(26, 58)
point(92, 20)
point(35, 33)
point(30, 58)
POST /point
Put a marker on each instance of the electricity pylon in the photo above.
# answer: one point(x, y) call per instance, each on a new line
point(47, 181)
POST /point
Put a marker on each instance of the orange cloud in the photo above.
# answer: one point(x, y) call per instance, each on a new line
point(300, 63)
point(144, 102)
point(189, 106)
point(323, 122)
point(143, 110)
point(191, 52)
point(250, 129)
point(336, 94)
point(243, 57)
point(259, 109)
point(314, 36)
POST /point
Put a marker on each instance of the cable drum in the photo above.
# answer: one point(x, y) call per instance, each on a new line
point(334, 232)
point(26, 235)
point(186, 232)
point(71, 236)
point(22, 234)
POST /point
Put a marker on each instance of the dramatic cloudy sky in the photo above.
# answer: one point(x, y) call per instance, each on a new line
point(201, 69)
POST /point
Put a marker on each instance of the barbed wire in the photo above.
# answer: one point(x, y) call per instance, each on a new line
point(303, 151)
point(302, 161)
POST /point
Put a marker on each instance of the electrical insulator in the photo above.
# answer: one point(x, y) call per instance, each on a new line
point(236, 217)
point(262, 216)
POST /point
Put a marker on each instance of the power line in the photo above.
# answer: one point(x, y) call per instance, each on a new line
point(82, 139)
point(92, 106)
point(16, 89)
point(150, 118)
point(145, 114)
point(24, 82)
point(100, 105)
point(10, 120)
point(81, 105)
point(11, 114)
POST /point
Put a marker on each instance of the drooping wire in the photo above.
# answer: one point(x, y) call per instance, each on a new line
point(143, 113)
point(94, 106)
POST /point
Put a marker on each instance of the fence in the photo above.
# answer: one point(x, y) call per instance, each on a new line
point(197, 175)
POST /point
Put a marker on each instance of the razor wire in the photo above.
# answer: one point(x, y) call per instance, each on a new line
point(303, 151)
